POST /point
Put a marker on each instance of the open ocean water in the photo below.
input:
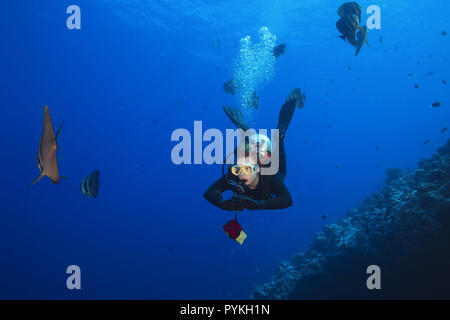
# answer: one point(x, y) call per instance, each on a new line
point(138, 70)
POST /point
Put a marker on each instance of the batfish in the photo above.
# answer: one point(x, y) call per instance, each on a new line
point(350, 8)
point(279, 50)
point(361, 38)
point(90, 185)
point(46, 157)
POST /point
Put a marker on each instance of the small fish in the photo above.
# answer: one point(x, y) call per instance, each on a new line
point(332, 80)
point(444, 81)
point(381, 39)
point(279, 50)
point(324, 216)
point(299, 96)
point(230, 87)
point(90, 185)
point(253, 101)
point(337, 167)
point(426, 141)
point(46, 156)
point(361, 38)
point(416, 86)
point(378, 147)
point(444, 32)
point(378, 165)
point(349, 67)
point(305, 142)
point(347, 26)
point(330, 126)
point(443, 130)
point(428, 74)
point(410, 74)
point(350, 8)
point(436, 104)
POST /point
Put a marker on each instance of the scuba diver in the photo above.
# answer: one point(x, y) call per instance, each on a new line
point(251, 190)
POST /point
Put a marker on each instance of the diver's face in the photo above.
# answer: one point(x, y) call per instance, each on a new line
point(250, 174)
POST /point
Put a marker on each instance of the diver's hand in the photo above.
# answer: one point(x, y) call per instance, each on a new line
point(232, 205)
point(247, 202)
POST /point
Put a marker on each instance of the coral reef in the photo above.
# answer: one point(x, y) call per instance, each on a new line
point(404, 229)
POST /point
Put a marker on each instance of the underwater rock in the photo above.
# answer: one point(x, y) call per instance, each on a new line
point(393, 174)
point(444, 150)
point(404, 228)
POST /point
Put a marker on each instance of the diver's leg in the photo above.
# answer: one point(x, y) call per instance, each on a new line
point(285, 116)
point(236, 117)
point(282, 161)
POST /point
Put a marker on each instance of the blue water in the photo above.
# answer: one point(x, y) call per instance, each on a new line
point(138, 70)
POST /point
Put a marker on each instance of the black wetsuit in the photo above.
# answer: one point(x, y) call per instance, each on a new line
point(271, 192)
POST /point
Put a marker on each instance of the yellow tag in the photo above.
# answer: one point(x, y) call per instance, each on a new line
point(241, 237)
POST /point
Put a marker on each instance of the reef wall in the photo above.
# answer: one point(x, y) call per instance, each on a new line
point(404, 229)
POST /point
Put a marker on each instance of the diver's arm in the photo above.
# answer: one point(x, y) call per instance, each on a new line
point(282, 197)
point(214, 196)
point(214, 192)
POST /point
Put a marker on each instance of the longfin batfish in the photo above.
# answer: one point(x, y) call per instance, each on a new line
point(361, 38)
point(90, 185)
point(300, 98)
point(46, 157)
point(350, 8)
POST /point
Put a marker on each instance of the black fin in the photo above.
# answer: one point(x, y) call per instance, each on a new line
point(236, 117)
point(38, 178)
point(59, 130)
point(285, 116)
